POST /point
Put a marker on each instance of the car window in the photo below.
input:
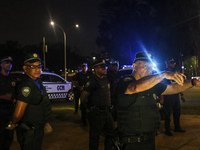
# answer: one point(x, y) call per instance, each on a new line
point(56, 79)
point(51, 78)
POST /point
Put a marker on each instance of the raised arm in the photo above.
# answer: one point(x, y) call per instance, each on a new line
point(148, 82)
point(175, 88)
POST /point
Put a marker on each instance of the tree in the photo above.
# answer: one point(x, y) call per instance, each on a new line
point(190, 66)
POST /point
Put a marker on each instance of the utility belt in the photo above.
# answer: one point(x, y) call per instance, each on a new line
point(137, 139)
point(26, 131)
point(32, 126)
point(99, 110)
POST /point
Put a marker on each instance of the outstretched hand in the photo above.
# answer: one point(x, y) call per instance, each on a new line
point(176, 76)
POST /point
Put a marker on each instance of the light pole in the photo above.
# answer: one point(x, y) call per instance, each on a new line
point(65, 43)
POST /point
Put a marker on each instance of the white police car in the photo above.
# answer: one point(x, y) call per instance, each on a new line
point(56, 86)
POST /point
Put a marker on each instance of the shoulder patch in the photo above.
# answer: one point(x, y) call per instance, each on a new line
point(127, 79)
point(87, 84)
point(13, 83)
point(26, 91)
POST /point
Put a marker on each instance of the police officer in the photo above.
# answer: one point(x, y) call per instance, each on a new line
point(113, 77)
point(96, 96)
point(138, 116)
point(7, 84)
point(79, 80)
point(33, 106)
point(172, 103)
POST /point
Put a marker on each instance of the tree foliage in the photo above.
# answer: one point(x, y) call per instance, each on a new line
point(190, 66)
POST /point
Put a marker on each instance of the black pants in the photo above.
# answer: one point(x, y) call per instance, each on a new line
point(169, 106)
point(100, 122)
point(6, 136)
point(29, 141)
point(145, 145)
point(83, 114)
point(77, 95)
point(114, 110)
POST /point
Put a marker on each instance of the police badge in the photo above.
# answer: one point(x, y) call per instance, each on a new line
point(26, 91)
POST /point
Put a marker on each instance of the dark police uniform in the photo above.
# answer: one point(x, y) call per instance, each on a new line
point(82, 79)
point(30, 131)
point(113, 77)
point(7, 85)
point(138, 116)
point(99, 115)
point(171, 103)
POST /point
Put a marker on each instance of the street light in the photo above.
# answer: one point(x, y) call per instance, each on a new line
point(65, 43)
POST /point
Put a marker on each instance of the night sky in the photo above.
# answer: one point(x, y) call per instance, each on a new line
point(28, 21)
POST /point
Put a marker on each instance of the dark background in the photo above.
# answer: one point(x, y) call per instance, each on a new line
point(110, 29)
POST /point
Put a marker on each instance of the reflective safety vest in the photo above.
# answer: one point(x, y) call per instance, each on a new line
point(138, 113)
point(100, 97)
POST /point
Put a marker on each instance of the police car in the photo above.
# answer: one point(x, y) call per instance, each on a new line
point(125, 71)
point(56, 86)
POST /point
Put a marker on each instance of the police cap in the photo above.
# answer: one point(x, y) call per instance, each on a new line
point(6, 58)
point(170, 60)
point(32, 57)
point(99, 62)
point(83, 64)
point(144, 56)
point(115, 62)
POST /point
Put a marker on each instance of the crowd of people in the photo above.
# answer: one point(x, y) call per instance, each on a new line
point(105, 97)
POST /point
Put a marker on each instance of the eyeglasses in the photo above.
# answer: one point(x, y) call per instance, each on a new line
point(34, 66)
point(8, 62)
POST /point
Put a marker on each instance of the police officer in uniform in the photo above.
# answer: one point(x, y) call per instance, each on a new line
point(113, 77)
point(33, 106)
point(79, 80)
point(7, 101)
point(172, 103)
point(138, 115)
point(96, 96)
